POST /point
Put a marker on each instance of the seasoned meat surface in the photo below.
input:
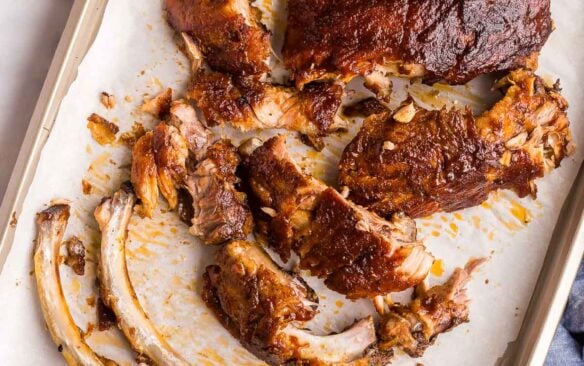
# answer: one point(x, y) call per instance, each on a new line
point(452, 40)
point(448, 160)
point(357, 253)
point(227, 31)
point(265, 308)
point(220, 210)
point(255, 293)
point(248, 103)
point(414, 327)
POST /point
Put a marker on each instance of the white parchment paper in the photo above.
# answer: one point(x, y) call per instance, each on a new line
point(134, 54)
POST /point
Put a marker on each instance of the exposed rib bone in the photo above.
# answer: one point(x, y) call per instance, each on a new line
point(65, 333)
point(113, 216)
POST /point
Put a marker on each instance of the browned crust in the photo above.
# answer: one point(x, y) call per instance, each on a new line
point(144, 174)
point(448, 160)
point(220, 99)
point(102, 130)
point(254, 302)
point(229, 43)
point(454, 40)
point(356, 252)
point(368, 265)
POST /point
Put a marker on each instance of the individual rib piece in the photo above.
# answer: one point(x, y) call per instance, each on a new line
point(448, 160)
point(113, 216)
point(414, 327)
point(228, 32)
point(52, 223)
point(264, 307)
point(178, 154)
point(452, 40)
point(356, 252)
point(248, 103)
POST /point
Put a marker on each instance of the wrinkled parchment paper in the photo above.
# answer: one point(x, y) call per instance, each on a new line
point(134, 56)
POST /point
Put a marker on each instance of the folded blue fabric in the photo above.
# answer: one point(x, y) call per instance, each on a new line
point(567, 348)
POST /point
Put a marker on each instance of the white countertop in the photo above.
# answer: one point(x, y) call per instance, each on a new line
point(29, 33)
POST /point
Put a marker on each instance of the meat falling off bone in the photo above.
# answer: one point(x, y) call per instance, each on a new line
point(356, 252)
point(414, 327)
point(236, 91)
point(178, 156)
point(445, 160)
point(269, 322)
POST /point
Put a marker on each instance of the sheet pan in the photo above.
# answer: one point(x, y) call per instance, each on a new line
point(558, 269)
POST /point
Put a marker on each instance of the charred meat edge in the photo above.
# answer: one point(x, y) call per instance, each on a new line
point(113, 216)
point(52, 223)
point(249, 103)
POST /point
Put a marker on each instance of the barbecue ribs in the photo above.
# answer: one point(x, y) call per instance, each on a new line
point(452, 40)
point(356, 252)
point(414, 327)
point(228, 33)
point(264, 307)
point(448, 160)
point(231, 92)
point(247, 103)
point(179, 155)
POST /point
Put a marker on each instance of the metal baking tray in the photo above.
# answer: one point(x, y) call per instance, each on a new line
point(548, 299)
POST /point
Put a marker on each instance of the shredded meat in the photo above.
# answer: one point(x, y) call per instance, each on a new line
point(220, 210)
point(247, 103)
point(447, 160)
point(453, 40)
point(364, 108)
point(170, 154)
point(357, 253)
point(159, 105)
point(184, 117)
point(178, 159)
point(414, 327)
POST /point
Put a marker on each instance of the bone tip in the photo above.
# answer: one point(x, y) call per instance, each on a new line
point(58, 211)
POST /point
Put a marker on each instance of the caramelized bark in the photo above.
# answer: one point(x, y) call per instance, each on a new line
point(448, 160)
point(357, 253)
point(453, 40)
point(227, 32)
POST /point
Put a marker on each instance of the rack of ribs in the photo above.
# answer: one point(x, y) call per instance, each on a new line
point(356, 252)
point(451, 40)
point(265, 308)
point(420, 162)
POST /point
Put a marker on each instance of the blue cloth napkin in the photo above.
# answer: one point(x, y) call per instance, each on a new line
point(567, 348)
